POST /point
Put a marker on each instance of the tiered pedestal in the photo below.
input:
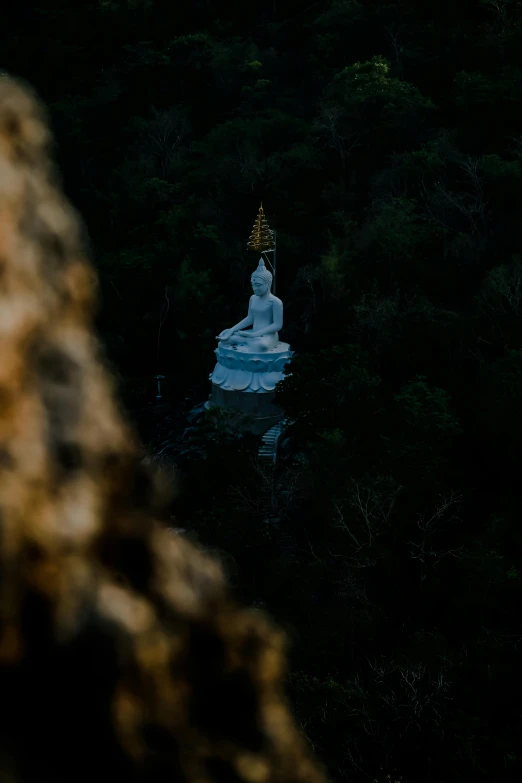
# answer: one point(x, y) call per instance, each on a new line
point(244, 382)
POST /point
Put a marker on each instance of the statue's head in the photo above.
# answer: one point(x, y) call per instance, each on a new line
point(261, 279)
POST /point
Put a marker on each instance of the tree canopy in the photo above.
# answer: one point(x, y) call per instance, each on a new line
point(385, 142)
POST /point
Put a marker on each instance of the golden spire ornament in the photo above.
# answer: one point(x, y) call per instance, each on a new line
point(261, 238)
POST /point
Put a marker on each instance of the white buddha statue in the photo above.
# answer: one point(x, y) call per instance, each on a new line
point(252, 360)
point(265, 316)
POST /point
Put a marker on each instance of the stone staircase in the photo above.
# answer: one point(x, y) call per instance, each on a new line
point(268, 448)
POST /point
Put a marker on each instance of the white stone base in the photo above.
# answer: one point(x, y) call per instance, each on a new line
point(240, 370)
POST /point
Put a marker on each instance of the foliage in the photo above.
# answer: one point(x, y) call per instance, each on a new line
point(385, 143)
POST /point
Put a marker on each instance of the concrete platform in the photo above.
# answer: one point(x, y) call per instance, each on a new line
point(259, 409)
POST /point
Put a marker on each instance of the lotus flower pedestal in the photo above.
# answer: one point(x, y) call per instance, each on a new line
point(244, 382)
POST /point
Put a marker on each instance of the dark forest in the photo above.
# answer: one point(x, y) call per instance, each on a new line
point(384, 140)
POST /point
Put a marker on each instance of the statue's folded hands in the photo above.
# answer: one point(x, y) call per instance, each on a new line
point(225, 334)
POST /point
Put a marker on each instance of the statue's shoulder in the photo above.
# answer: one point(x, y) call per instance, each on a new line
point(275, 300)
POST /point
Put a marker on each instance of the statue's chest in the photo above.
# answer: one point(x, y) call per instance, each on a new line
point(262, 308)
